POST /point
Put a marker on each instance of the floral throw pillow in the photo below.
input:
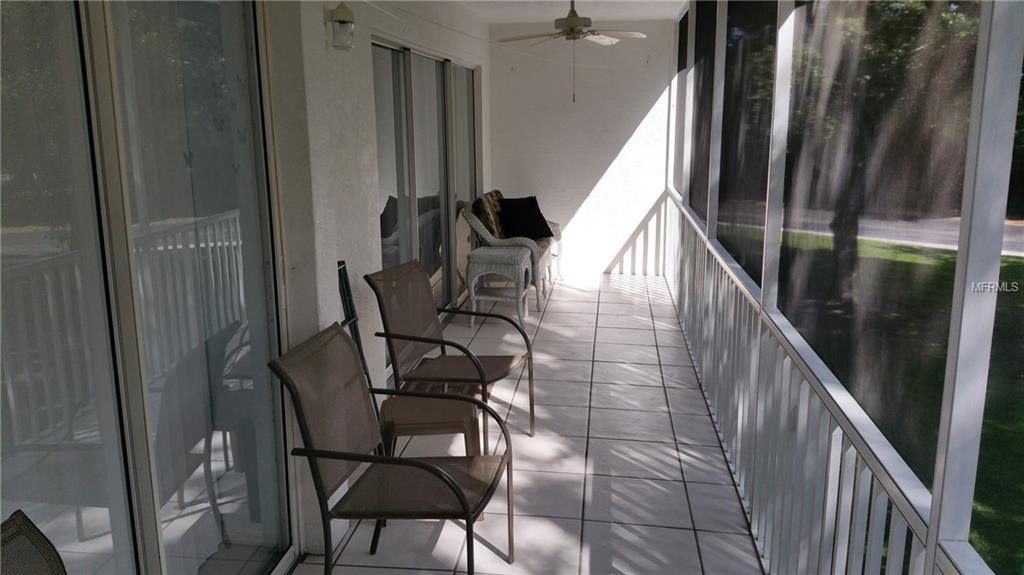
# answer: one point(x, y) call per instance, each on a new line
point(488, 207)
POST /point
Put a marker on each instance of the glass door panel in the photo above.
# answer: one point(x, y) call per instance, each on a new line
point(431, 175)
point(62, 460)
point(198, 221)
point(389, 100)
point(465, 168)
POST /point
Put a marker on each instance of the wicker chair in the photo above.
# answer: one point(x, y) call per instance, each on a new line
point(340, 432)
point(24, 549)
point(543, 253)
point(412, 330)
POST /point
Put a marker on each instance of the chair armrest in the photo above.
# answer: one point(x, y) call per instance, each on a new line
point(556, 229)
point(522, 332)
point(442, 342)
point(518, 241)
point(389, 460)
point(487, 408)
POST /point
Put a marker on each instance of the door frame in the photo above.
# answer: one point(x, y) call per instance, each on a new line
point(104, 104)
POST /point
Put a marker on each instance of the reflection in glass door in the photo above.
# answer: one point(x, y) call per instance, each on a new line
point(426, 158)
point(195, 189)
point(62, 461)
point(389, 104)
point(431, 176)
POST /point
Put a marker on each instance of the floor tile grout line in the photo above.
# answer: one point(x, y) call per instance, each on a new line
point(679, 460)
point(657, 526)
point(586, 448)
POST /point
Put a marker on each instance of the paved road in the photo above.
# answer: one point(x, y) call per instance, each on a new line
point(941, 233)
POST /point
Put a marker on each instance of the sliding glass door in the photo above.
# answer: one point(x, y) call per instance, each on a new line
point(178, 145)
point(430, 170)
point(62, 443)
point(197, 204)
point(426, 153)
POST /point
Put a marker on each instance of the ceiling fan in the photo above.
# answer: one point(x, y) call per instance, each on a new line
point(575, 27)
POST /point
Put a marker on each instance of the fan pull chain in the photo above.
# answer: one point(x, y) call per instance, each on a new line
point(574, 70)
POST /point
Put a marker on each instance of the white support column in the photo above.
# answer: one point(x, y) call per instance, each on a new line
point(691, 32)
point(785, 39)
point(717, 102)
point(675, 114)
point(1000, 54)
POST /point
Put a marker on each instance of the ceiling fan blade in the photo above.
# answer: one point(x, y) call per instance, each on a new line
point(601, 39)
point(551, 37)
point(530, 37)
point(620, 34)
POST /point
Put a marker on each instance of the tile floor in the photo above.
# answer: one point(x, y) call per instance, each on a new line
point(625, 473)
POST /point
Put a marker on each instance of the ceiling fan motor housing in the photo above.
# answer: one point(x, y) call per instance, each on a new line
point(574, 25)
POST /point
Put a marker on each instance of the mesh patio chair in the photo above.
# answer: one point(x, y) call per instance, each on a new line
point(412, 330)
point(24, 550)
point(341, 434)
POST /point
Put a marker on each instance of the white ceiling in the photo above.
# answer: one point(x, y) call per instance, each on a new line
point(510, 12)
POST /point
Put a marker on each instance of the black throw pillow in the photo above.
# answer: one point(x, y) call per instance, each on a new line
point(521, 218)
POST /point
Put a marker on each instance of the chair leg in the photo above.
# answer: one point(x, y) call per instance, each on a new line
point(538, 284)
point(472, 299)
point(529, 371)
point(469, 546)
point(227, 449)
point(377, 526)
point(558, 260)
point(79, 523)
point(328, 547)
point(511, 529)
point(211, 490)
point(487, 438)
point(472, 436)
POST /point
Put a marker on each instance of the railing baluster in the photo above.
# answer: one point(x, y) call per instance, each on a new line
point(837, 449)
point(897, 543)
point(859, 521)
point(917, 557)
point(876, 529)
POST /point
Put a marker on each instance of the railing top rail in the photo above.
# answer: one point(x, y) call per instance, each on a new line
point(749, 288)
point(32, 265)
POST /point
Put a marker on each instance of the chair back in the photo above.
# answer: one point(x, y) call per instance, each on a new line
point(324, 377)
point(24, 549)
point(481, 236)
point(406, 308)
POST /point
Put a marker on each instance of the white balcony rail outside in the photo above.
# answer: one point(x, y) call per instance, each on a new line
point(823, 489)
point(178, 262)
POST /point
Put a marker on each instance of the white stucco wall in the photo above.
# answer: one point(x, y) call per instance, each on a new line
point(596, 165)
point(324, 163)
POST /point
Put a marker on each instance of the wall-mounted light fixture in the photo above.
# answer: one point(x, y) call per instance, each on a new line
point(342, 26)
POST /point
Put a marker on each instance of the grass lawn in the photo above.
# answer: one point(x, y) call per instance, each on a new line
point(889, 349)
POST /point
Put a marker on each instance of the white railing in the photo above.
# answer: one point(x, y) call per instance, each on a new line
point(180, 270)
point(823, 490)
point(653, 247)
point(49, 373)
point(48, 370)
